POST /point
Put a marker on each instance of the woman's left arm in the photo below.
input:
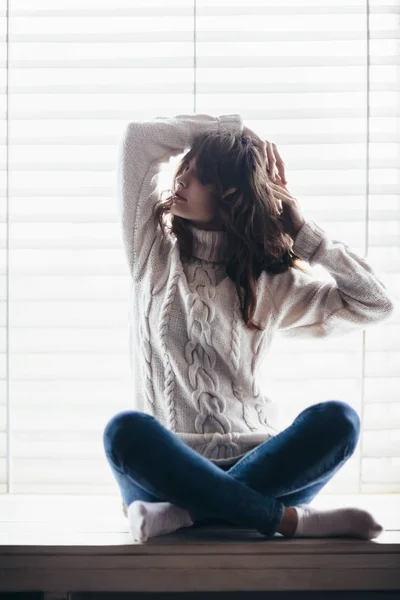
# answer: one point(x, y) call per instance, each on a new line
point(308, 307)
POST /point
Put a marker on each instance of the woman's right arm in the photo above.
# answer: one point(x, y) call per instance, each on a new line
point(143, 147)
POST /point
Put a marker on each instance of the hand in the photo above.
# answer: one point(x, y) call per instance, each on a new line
point(275, 164)
point(291, 215)
point(273, 161)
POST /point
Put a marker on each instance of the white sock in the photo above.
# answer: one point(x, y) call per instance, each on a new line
point(341, 522)
point(148, 519)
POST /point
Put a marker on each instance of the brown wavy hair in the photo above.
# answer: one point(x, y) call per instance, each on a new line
point(250, 215)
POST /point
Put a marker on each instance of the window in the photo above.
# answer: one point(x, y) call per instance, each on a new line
point(322, 80)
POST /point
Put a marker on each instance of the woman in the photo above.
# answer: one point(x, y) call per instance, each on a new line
point(216, 273)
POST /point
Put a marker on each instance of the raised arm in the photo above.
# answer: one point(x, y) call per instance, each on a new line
point(143, 147)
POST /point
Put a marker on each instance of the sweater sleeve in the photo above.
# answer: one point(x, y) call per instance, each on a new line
point(143, 147)
point(306, 307)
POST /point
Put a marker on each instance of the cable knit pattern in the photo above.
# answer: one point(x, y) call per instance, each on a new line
point(145, 347)
point(169, 386)
point(248, 411)
point(202, 360)
point(194, 362)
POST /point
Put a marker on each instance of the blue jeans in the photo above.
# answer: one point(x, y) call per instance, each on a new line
point(151, 463)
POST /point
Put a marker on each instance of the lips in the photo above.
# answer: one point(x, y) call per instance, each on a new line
point(179, 196)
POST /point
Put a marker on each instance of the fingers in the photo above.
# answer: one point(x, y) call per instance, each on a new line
point(276, 166)
point(271, 160)
point(280, 191)
point(269, 150)
point(280, 164)
point(281, 195)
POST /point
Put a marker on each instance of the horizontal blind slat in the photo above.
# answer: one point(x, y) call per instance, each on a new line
point(143, 9)
point(149, 36)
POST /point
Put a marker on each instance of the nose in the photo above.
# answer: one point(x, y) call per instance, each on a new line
point(181, 179)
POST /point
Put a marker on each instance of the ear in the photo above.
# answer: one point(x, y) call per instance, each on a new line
point(230, 191)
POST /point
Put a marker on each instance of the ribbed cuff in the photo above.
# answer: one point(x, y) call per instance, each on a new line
point(307, 240)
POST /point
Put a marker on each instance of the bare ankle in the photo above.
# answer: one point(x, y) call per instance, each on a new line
point(288, 524)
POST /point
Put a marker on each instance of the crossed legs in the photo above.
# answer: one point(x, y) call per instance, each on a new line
point(150, 463)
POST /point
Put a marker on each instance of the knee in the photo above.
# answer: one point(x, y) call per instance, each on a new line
point(132, 421)
point(344, 420)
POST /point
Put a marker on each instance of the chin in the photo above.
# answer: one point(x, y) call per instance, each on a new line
point(177, 209)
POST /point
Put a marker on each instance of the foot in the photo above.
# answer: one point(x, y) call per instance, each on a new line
point(149, 519)
point(341, 522)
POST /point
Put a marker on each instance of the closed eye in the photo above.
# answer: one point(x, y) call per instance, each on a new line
point(186, 166)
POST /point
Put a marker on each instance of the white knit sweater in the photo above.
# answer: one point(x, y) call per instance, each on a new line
point(193, 360)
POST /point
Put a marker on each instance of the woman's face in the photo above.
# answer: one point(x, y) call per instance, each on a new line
point(199, 206)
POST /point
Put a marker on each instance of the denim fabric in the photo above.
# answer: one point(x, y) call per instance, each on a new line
point(151, 463)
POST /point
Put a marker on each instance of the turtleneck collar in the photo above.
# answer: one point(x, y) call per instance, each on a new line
point(209, 245)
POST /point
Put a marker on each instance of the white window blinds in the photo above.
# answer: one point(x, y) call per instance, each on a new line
point(322, 80)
